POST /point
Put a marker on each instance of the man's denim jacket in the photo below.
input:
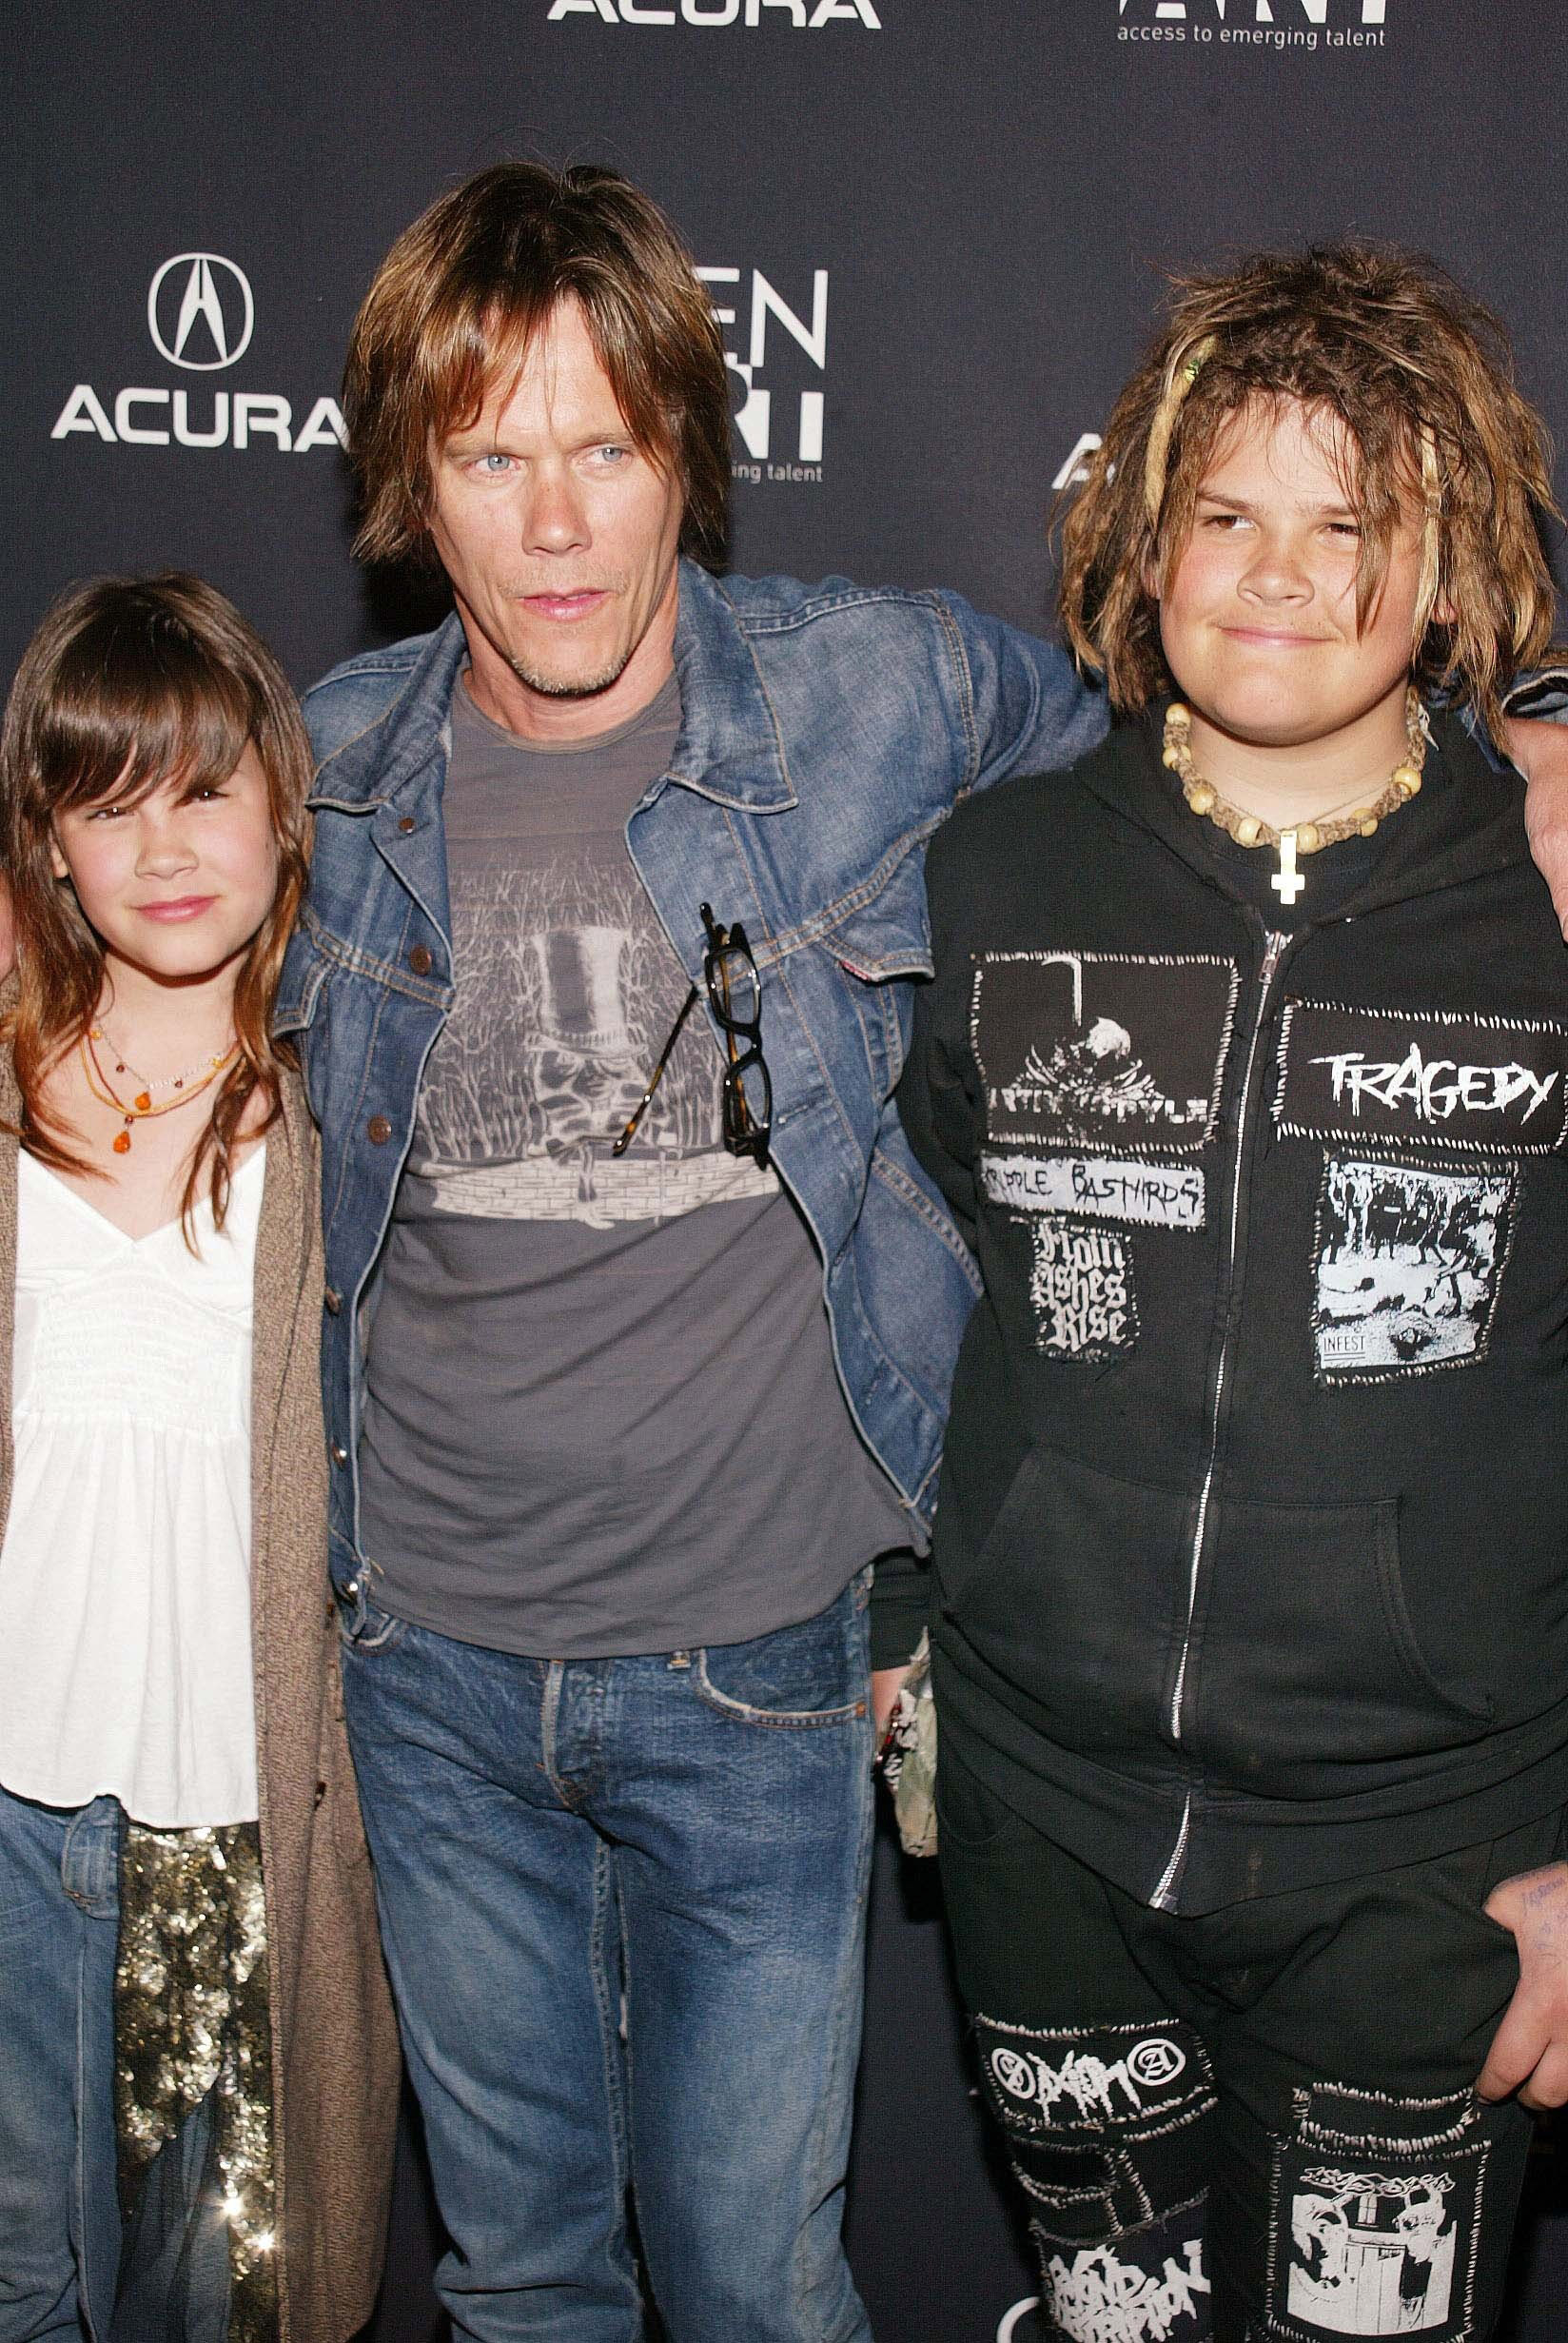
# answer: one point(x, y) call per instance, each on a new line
point(825, 733)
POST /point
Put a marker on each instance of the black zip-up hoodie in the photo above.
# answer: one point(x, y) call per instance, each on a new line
point(1252, 1549)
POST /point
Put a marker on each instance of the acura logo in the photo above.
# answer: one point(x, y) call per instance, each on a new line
point(200, 312)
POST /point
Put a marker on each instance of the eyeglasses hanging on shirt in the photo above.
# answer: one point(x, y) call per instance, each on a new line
point(735, 996)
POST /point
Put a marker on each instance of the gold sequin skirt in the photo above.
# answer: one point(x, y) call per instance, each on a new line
point(191, 2025)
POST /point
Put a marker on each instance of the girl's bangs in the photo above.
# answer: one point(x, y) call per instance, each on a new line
point(117, 727)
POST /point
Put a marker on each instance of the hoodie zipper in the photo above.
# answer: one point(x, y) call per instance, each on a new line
point(1164, 1898)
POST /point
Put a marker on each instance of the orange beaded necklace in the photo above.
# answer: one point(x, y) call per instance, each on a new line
point(140, 1107)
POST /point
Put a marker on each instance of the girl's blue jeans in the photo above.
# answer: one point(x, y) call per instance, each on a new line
point(65, 2275)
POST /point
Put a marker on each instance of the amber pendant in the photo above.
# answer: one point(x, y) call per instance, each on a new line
point(122, 1143)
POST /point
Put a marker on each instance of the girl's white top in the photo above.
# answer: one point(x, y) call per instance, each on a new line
point(125, 1575)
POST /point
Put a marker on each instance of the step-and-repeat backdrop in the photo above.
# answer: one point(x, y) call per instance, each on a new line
point(935, 231)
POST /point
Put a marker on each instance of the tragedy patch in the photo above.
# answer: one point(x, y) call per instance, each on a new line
point(1491, 1086)
point(1086, 1049)
point(1407, 1264)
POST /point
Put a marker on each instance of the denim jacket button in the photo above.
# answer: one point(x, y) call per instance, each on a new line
point(420, 961)
point(377, 1131)
point(340, 1454)
point(408, 825)
point(332, 1300)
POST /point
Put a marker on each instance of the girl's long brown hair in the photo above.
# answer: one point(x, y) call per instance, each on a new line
point(129, 682)
point(1416, 381)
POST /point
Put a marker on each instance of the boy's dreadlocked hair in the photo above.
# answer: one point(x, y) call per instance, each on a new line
point(1420, 378)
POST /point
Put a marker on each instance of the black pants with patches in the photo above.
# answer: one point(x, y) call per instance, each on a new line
point(1257, 2126)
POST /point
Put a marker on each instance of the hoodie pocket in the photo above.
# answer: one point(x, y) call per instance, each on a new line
point(1307, 1661)
point(1076, 1599)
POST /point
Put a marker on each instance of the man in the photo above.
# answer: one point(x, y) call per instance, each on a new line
point(608, 1474)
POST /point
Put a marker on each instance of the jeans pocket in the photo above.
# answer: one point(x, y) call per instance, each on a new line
point(1532, 1846)
point(89, 1858)
point(814, 1674)
point(970, 1817)
point(376, 1631)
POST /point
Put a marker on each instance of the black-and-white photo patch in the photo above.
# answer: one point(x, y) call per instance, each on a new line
point(1085, 1049)
point(1408, 1264)
point(1374, 2248)
point(1081, 1290)
point(1494, 1086)
point(1148, 1195)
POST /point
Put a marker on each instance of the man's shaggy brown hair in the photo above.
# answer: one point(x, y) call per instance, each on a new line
point(457, 301)
point(1415, 381)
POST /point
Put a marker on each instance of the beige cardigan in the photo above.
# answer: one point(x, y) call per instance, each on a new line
point(333, 2040)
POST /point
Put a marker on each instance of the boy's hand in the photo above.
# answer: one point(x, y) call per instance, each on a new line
point(1539, 748)
point(1529, 2051)
point(887, 1683)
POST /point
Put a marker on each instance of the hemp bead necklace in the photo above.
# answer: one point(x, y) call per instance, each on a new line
point(1303, 837)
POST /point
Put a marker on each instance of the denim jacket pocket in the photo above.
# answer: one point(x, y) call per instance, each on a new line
point(879, 945)
point(303, 971)
point(884, 1018)
point(303, 1015)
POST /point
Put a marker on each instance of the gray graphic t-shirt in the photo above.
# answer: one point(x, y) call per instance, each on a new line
point(602, 1415)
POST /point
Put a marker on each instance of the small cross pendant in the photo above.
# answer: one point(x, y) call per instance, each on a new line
point(1287, 882)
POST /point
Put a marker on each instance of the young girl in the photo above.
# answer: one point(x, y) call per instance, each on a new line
point(1246, 1062)
point(197, 2059)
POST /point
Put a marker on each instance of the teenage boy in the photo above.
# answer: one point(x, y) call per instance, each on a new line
point(1246, 1069)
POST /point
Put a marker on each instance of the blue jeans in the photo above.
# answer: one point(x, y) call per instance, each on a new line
point(624, 1905)
point(64, 2271)
point(59, 2213)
